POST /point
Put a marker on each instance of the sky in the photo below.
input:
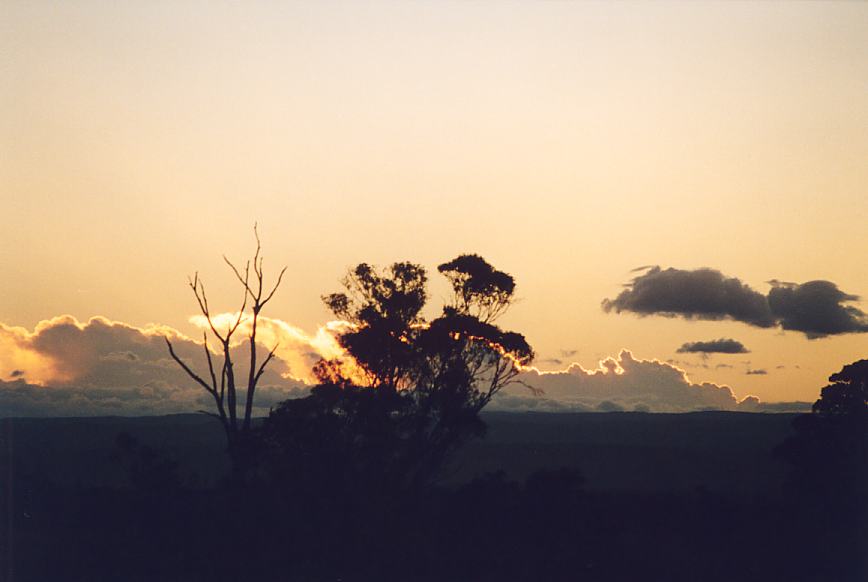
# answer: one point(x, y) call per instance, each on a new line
point(567, 143)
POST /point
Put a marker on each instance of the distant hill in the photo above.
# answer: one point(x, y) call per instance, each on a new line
point(723, 451)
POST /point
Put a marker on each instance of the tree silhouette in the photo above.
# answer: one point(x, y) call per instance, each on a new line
point(225, 391)
point(831, 443)
point(828, 456)
point(848, 392)
point(409, 391)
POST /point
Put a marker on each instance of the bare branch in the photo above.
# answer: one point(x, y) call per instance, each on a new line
point(238, 320)
point(258, 301)
point(186, 368)
point(210, 363)
point(533, 389)
point(194, 284)
point(276, 285)
point(253, 296)
point(243, 280)
point(264, 363)
point(257, 262)
point(223, 381)
point(198, 288)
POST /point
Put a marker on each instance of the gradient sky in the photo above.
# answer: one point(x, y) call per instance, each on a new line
point(567, 143)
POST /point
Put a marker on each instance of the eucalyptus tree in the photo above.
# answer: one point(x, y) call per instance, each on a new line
point(408, 391)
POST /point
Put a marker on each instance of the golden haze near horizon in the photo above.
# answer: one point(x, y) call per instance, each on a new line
point(566, 143)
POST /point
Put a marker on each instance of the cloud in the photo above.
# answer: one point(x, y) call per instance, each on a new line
point(756, 372)
point(561, 359)
point(552, 361)
point(718, 346)
point(685, 364)
point(626, 382)
point(66, 367)
point(815, 308)
point(20, 399)
point(774, 407)
point(100, 367)
point(298, 349)
point(699, 294)
point(609, 406)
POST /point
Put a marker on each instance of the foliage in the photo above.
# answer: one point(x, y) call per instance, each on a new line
point(828, 481)
point(829, 450)
point(409, 391)
point(848, 392)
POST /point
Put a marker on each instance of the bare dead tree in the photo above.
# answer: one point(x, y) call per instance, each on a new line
point(224, 391)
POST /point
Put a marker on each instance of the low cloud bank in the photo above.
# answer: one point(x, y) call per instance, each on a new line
point(100, 367)
point(20, 399)
point(622, 383)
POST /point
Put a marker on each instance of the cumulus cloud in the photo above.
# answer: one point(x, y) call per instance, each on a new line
point(622, 383)
point(698, 294)
point(19, 398)
point(298, 349)
point(100, 367)
point(66, 367)
point(718, 346)
point(815, 308)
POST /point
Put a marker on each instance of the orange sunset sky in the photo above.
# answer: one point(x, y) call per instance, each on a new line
point(567, 143)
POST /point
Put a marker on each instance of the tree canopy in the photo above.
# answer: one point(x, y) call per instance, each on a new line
point(408, 391)
point(847, 393)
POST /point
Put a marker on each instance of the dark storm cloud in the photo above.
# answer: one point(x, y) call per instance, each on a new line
point(718, 346)
point(816, 308)
point(699, 294)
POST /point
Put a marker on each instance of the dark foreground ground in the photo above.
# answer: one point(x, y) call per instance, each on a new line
point(597, 496)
